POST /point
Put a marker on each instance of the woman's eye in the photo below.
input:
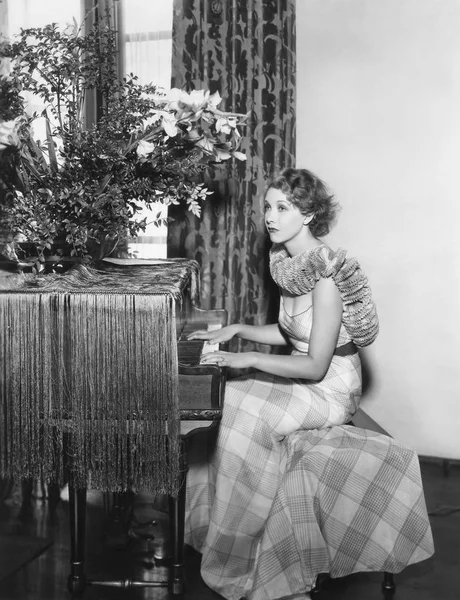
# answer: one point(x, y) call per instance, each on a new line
point(281, 208)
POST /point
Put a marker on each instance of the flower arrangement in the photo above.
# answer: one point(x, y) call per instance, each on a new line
point(83, 184)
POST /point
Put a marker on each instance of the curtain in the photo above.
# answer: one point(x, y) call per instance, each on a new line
point(246, 52)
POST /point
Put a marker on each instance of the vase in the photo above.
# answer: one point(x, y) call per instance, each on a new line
point(56, 259)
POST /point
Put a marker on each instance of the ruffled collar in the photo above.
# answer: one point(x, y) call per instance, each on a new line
point(299, 274)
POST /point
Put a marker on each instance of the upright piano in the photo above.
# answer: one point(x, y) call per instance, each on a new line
point(62, 313)
point(201, 386)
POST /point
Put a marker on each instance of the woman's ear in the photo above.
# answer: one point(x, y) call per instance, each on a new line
point(307, 219)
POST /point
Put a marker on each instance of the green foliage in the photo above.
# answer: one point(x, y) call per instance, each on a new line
point(85, 185)
point(11, 103)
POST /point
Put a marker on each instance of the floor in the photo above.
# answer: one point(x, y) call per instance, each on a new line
point(127, 556)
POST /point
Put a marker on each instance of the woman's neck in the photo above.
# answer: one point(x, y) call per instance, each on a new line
point(305, 245)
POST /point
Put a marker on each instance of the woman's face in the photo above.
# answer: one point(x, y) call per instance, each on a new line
point(283, 220)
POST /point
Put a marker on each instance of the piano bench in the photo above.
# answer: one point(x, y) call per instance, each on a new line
point(360, 419)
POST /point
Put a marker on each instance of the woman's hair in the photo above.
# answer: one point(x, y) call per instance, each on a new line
point(311, 196)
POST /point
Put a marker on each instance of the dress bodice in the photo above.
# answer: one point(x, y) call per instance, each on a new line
point(297, 327)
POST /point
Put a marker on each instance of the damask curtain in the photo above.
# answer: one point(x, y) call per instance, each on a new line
point(246, 52)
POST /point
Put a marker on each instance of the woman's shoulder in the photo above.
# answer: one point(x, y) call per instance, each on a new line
point(360, 315)
point(336, 264)
point(328, 262)
point(300, 273)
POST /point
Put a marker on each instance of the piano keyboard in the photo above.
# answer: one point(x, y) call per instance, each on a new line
point(201, 386)
point(189, 352)
point(210, 346)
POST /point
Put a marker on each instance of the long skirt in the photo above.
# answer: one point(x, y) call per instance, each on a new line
point(283, 491)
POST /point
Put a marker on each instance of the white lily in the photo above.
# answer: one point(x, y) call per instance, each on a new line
point(205, 144)
point(214, 100)
point(226, 124)
point(145, 148)
point(9, 133)
point(169, 123)
point(198, 99)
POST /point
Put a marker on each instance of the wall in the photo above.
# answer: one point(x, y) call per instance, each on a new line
point(379, 119)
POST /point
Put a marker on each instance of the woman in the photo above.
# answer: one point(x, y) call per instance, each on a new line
point(288, 491)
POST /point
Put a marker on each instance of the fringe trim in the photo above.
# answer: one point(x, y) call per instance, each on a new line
point(89, 384)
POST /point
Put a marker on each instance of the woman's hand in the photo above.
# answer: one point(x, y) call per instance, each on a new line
point(237, 360)
point(216, 336)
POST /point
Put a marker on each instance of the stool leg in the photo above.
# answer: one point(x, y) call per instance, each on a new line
point(177, 525)
point(76, 581)
point(388, 585)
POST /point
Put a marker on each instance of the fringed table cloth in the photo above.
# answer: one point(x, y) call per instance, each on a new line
point(89, 376)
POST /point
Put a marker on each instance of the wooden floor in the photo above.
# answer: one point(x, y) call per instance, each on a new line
point(126, 554)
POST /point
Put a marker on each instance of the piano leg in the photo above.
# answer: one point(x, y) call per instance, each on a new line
point(76, 581)
point(177, 524)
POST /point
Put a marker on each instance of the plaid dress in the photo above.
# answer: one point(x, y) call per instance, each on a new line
point(283, 490)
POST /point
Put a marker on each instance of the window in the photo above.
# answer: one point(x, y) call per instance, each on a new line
point(148, 40)
point(29, 13)
point(147, 49)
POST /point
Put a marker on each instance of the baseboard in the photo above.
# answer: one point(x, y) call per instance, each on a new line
point(438, 460)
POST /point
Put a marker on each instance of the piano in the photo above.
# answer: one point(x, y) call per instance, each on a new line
point(200, 387)
point(201, 398)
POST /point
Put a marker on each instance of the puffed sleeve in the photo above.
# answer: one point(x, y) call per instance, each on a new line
point(300, 273)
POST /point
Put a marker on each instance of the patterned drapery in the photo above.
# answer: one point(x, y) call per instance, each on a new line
point(246, 52)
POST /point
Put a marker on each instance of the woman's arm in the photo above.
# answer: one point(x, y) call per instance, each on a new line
point(262, 334)
point(327, 316)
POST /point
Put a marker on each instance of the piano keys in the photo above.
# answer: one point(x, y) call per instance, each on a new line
point(201, 386)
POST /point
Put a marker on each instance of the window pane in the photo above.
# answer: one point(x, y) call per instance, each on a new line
point(148, 39)
point(30, 13)
point(153, 15)
point(147, 33)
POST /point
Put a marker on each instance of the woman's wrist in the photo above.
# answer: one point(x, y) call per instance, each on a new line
point(255, 360)
point(238, 329)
